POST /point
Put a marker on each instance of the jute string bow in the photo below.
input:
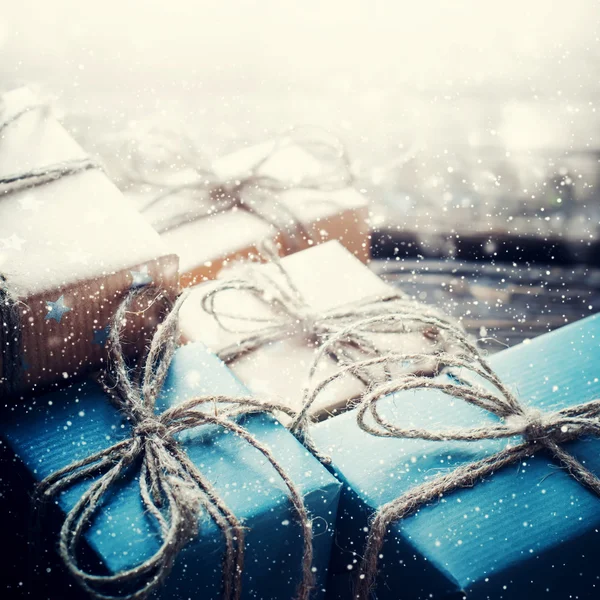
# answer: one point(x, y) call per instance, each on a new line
point(406, 317)
point(254, 191)
point(344, 334)
point(173, 490)
point(10, 322)
point(539, 432)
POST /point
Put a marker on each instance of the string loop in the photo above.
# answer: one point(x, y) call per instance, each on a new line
point(479, 386)
point(173, 489)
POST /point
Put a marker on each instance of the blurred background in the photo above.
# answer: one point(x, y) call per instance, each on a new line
point(473, 127)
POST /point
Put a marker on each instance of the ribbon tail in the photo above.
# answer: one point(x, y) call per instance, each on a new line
point(573, 466)
point(307, 583)
point(227, 522)
point(96, 463)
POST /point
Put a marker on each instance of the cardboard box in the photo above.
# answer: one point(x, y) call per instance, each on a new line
point(328, 277)
point(73, 423)
point(69, 251)
point(528, 531)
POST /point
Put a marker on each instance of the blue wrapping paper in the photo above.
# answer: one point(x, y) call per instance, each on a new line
point(529, 531)
point(54, 430)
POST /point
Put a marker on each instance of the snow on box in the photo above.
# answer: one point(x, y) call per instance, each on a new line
point(69, 251)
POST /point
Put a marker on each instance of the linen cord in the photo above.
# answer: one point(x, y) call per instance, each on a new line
point(10, 321)
point(539, 430)
point(342, 334)
point(411, 315)
point(172, 488)
point(226, 195)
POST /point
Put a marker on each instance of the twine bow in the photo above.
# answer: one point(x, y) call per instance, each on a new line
point(539, 430)
point(173, 490)
point(253, 191)
point(10, 321)
point(290, 314)
point(345, 334)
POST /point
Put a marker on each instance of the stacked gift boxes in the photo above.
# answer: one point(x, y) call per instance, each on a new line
point(85, 251)
point(191, 469)
point(284, 190)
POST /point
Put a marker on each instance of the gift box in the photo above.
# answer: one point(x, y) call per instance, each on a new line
point(207, 245)
point(288, 197)
point(328, 278)
point(69, 250)
point(51, 432)
point(530, 530)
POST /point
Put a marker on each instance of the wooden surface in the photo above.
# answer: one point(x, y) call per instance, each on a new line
point(500, 304)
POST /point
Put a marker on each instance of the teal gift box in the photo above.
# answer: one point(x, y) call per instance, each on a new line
point(530, 530)
point(52, 431)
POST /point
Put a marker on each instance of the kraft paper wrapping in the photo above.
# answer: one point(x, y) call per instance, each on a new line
point(69, 251)
point(328, 277)
point(338, 214)
point(207, 244)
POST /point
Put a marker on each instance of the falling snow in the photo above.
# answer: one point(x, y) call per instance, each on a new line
point(458, 147)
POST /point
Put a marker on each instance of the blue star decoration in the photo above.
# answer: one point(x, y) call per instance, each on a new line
point(141, 277)
point(101, 336)
point(57, 309)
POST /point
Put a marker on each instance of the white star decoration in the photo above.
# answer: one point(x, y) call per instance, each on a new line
point(14, 242)
point(141, 277)
point(57, 309)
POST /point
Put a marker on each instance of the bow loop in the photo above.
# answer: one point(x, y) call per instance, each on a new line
point(346, 334)
point(173, 490)
point(151, 164)
point(471, 380)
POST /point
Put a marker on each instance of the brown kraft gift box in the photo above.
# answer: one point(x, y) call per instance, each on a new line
point(295, 217)
point(329, 278)
point(70, 250)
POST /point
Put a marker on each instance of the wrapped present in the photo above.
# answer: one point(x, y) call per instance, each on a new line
point(296, 190)
point(285, 325)
point(70, 248)
point(489, 487)
point(186, 489)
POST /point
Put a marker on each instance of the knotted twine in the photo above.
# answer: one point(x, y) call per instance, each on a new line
point(253, 192)
point(173, 490)
point(11, 361)
point(344, 334)
point(539, 431)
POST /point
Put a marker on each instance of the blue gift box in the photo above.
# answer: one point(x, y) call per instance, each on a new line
point(52, 431)
point(528, 531)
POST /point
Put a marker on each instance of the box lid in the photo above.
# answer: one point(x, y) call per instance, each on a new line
point(526, 529)
point(58, 428)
